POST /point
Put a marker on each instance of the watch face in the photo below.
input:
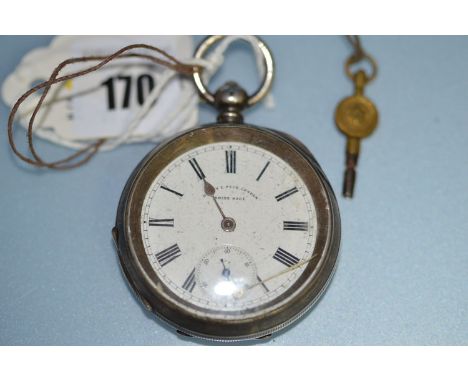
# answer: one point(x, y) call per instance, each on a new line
point(230, 232)
point(228, 269)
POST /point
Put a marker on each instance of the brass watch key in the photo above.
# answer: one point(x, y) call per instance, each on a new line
point(356, 117)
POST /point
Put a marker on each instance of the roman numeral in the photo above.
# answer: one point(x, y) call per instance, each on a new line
point(174, 192)
point(231, 162)
point(263, 170)
point(161, 222)
point(295, 226)
point(169, 254)
point(189, 283)
point(196, 168)
point(285, 194)
point(285, 257)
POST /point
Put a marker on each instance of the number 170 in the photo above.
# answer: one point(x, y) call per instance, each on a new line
point(144, 85)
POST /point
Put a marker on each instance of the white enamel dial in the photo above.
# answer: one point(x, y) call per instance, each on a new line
point(228, 227)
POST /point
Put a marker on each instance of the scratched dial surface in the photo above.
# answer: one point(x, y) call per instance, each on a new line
point(228, 227)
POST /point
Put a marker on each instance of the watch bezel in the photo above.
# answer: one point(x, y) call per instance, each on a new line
point(162, 301)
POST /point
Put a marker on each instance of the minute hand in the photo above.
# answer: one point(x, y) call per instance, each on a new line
point(299, 264)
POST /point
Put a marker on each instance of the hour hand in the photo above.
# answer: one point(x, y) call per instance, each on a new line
point(209, 189)
point(227, 224)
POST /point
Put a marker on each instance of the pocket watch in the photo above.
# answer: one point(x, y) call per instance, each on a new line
point(228, 231)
